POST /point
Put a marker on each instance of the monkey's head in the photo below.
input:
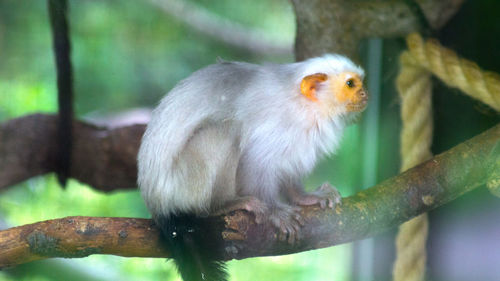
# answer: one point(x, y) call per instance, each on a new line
point(336, 89)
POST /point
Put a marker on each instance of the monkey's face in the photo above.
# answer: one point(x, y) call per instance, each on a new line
point(335, 93)
point(348, 90)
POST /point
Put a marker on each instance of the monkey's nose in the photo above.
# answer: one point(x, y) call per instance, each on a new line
point(363, 95)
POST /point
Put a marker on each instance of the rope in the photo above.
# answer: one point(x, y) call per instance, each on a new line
point(456, 72)
point(414, 87)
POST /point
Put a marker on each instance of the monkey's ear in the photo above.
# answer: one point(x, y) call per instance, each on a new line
point(310, 84)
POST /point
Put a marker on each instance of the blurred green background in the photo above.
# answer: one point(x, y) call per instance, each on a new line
point(128, 54)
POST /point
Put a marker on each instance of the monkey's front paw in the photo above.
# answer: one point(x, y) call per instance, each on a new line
point(325, 196)
point(288, 221)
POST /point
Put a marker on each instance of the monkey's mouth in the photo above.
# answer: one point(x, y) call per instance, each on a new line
point(360, 105)
point(357, 107)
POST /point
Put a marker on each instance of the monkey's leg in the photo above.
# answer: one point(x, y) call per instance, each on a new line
point(247, 203)
point(325, 196)
point(257, 180)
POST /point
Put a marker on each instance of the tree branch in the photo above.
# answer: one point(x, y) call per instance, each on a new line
point(386, 205)
point(103, 158)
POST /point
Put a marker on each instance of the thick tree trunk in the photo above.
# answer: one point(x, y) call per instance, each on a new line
point(337, 26)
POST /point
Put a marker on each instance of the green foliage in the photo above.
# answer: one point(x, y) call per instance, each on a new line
point(22, 96)
point(42, 198)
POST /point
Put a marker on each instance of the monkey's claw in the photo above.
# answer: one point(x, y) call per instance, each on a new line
point(331, 192)
point(325, 196)
point(288, 221)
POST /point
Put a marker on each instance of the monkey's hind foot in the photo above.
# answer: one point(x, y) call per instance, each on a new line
point(248, 203)
point(325, 196)
point(288, 221)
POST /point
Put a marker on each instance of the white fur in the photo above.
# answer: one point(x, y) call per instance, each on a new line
point(235, 129)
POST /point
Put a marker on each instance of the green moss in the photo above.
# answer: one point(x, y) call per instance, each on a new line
point(47, 246)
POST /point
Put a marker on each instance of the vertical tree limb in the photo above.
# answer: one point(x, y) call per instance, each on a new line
point(58, 12)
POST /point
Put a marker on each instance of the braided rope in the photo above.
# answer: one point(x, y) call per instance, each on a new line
point(414, 87)
point(454, 71)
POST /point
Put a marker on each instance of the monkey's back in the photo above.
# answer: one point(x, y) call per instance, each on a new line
point(192, 139)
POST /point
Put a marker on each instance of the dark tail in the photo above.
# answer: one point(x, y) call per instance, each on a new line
point(194, 247)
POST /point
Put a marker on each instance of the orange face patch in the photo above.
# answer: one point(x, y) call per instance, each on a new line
point(348, 90)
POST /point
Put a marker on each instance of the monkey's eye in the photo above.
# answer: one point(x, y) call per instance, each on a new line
point(350, 83)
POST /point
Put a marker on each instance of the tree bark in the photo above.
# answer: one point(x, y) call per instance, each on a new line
point(337, 26)
point(371, 211)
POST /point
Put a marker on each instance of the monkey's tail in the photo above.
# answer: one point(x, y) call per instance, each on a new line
point(193, 248)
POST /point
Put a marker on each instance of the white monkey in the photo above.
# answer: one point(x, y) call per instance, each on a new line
point(236, 135)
